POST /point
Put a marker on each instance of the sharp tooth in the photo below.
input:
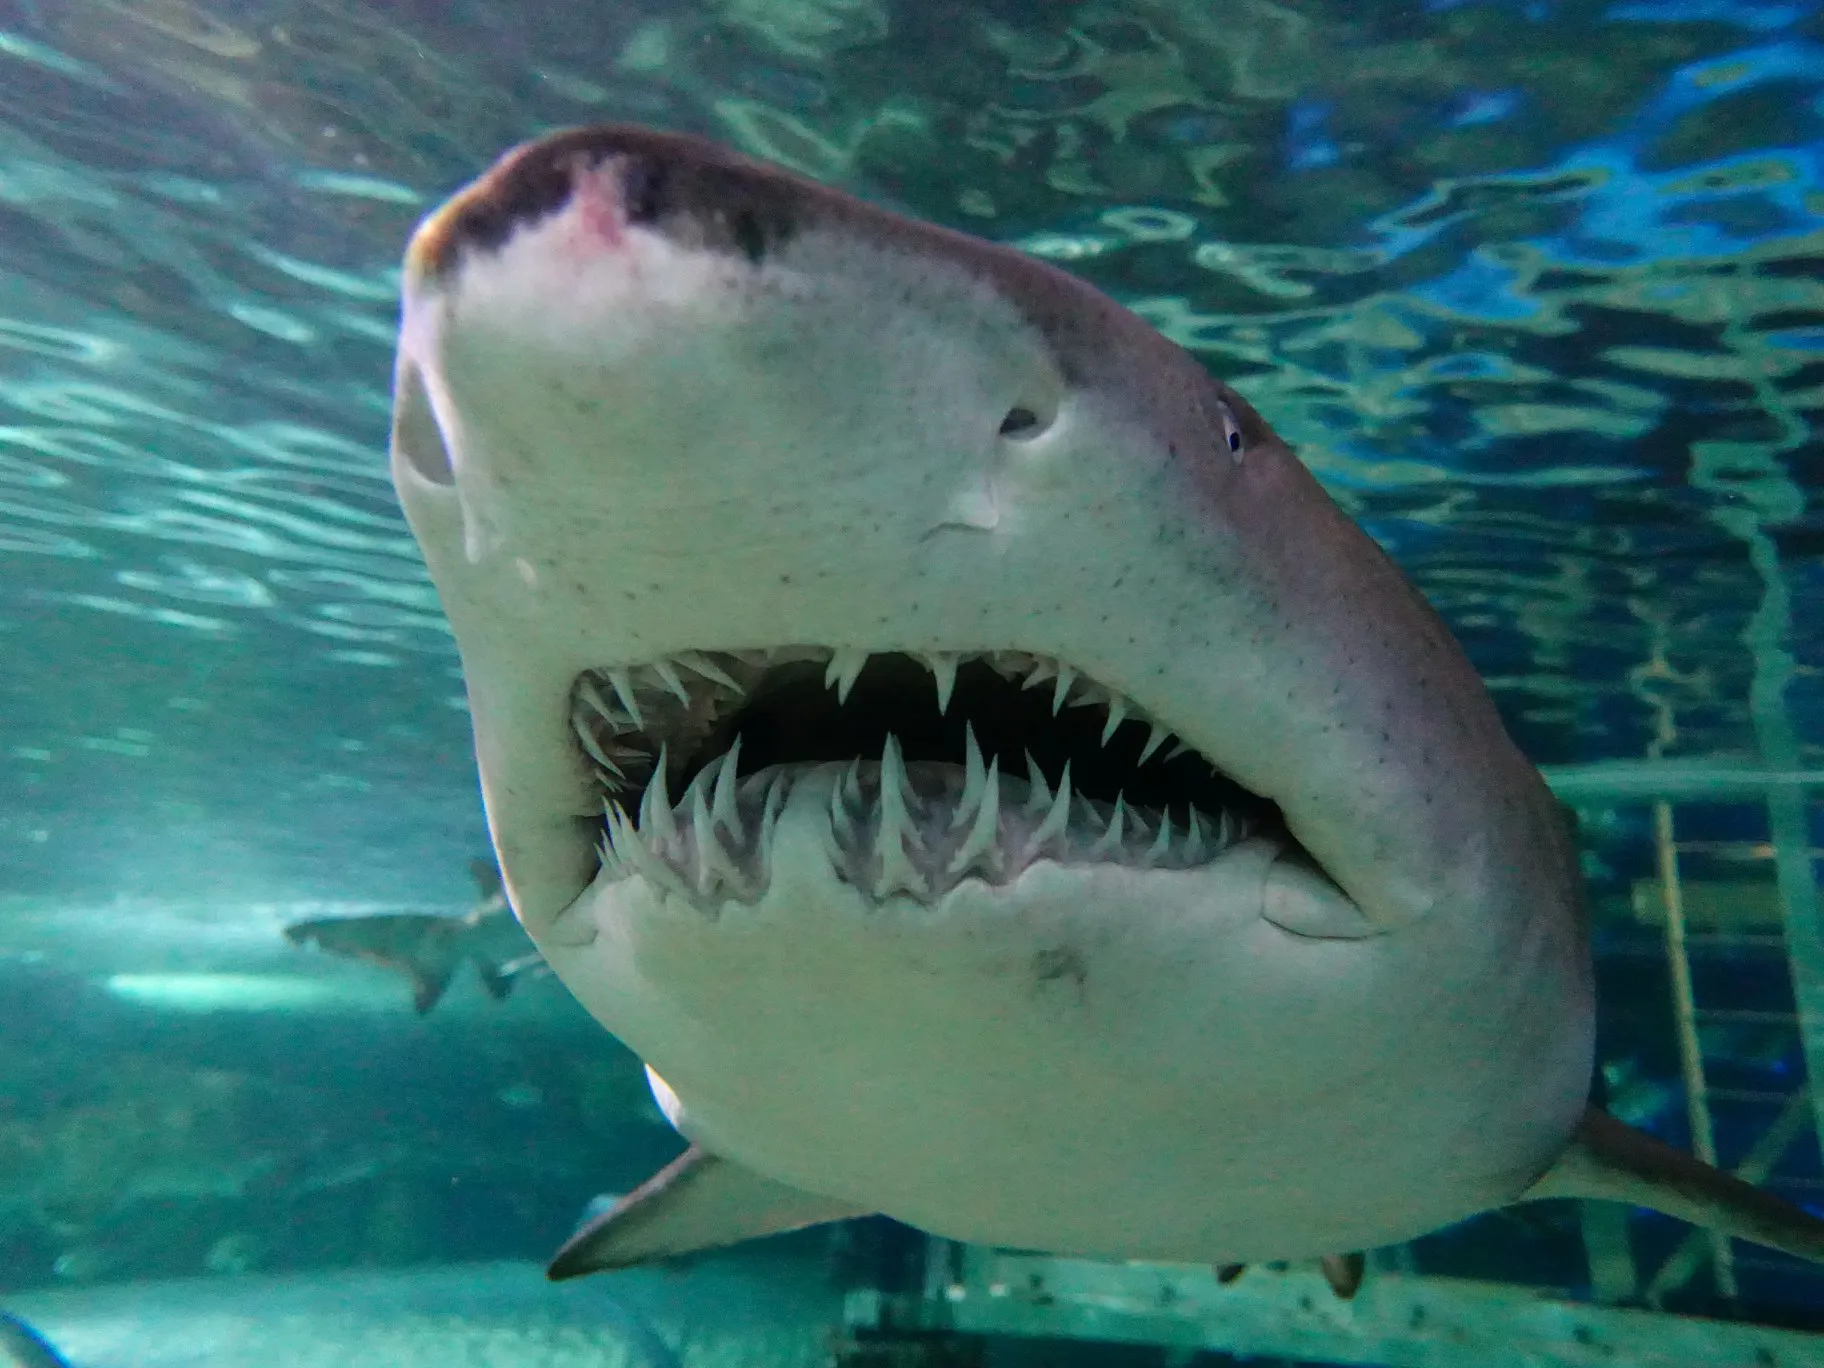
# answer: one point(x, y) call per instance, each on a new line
point(715, 866)
point(1057, 818)
point(897, 872)
point(1225, 831)
point(770, 810)
point(703, 665)
point(1195, 838)
point(1154, 739)
point(974, 776)
point(1061, 690)
point(725, 809)
point(987, 826)
point(943, 668)
point(1037, 672)
point(1117, 714)
point(1178, 750)
point(844, 668)
point(1040, 796)
point(1117, 824)
point(634, 851)
point(624, 690)
point(596, 753)
point(669, 678)
point(656, 816)
point(593, 697)
point(1162, 843)
point(842, 807)
point(610, 861)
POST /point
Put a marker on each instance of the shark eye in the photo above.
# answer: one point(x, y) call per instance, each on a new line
point(1019, 422)
point(1231, 429)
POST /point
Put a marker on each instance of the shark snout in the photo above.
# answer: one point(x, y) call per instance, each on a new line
point(610, 179)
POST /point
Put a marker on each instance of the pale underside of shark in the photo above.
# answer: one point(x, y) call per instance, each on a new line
point(963, 751)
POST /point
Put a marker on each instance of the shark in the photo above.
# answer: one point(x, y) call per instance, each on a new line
point(954, 741)
point(428, 947)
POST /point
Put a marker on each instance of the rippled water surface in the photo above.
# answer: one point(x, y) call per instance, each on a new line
point(1537, 288)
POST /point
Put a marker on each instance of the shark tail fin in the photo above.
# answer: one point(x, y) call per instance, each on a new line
point(698, 1201)
point(1611, 1161)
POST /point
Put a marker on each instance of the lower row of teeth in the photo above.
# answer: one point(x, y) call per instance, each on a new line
point(894, 828)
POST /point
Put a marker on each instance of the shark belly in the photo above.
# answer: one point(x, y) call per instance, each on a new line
point(1085, 1063)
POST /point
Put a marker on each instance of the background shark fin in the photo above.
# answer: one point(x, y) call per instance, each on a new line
point(1612, 1161)
point(487, 878)
point(698, 1201)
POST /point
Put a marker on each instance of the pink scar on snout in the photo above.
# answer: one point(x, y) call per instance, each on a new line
point(595, 191)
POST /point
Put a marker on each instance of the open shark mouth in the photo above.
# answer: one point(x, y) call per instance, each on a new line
point(938, 768)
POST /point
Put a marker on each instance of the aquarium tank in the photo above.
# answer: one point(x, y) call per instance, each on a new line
point(1533, 288)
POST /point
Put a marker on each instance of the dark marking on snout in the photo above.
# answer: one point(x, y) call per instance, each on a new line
point(690, 189)
point(1058, 965)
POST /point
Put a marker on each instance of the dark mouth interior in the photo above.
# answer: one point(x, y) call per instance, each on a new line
point(791, 716)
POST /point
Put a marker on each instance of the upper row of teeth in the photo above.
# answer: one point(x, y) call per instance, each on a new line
point(615, 695)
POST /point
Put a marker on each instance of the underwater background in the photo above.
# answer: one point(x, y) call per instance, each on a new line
point(1536, 288)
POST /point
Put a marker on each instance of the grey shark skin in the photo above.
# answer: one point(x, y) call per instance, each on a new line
point(701, 452)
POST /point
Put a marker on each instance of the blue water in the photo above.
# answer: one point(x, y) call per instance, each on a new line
point(1537, 289)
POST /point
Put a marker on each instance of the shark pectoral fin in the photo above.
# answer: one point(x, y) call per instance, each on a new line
point(698, 1201)
point(1609, 1160)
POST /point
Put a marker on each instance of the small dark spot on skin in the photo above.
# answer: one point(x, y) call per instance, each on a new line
point(1051, 966)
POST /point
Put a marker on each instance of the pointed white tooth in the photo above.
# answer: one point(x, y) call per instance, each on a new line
point(1057, 818)
point(703, 665)
point(634, 851)
point(1117, 826)
point(985, 830)
point(943, 669)
point(715, 866)
point(1162, 843)
point(1225, 831)
point(897, 872)
point(656, 816)
point(1037, 672)
point(593, 697)
point(850, 783)
point(974, 776)
point(1061, 690)
point(770, 810)
point(624, 690)
point(1040, 796)
point(1154, 739)
point(596, 753)
point(669, 678)
point(725, 809)
point(1196, 841)
point(843, 821)
point(841, 673)
point(1180, 749)
point(1117, 714)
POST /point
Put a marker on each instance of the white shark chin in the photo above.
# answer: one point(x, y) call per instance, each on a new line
point(1299, 964)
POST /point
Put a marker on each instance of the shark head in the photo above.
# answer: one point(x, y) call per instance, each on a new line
point(1020, 777)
